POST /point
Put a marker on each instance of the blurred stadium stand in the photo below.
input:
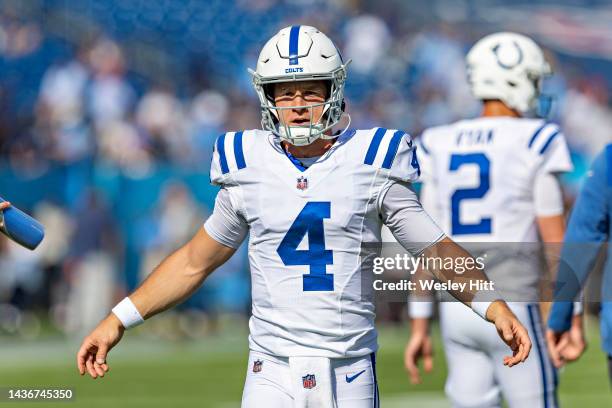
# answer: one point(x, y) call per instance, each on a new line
point(109, 108)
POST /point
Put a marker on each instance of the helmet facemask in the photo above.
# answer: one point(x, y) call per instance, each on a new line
point(333, 108)
point(541, 104)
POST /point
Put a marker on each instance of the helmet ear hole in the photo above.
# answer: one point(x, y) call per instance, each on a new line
point(269, 91)
point(274, 119)
point(512, 84)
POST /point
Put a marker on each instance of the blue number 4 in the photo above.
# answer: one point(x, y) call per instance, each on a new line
point(310, 221)
point(484, 226)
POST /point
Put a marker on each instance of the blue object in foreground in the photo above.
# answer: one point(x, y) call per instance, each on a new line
point(21, 228)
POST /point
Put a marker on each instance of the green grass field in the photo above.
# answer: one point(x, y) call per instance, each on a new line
point(210, 372)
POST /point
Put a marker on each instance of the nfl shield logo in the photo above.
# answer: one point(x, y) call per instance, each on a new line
point(302, 183)
point(257, 366)
point(309, 381)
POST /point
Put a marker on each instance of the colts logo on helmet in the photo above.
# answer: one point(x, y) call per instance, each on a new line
point(293, 70)
point(510, 59)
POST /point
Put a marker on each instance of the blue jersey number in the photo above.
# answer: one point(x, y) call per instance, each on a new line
point(310, 221)
point(484, 225)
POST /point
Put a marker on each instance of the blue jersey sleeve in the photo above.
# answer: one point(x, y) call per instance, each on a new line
point(588, 227)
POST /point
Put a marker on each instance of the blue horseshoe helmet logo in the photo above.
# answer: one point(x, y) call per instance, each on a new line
point(519, 58)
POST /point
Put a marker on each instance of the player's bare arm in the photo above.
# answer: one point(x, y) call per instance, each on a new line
point(550, 220)
point(420, 344)
point(567, 346)
point(175, 279)
point(509, 328)
point(419, 347)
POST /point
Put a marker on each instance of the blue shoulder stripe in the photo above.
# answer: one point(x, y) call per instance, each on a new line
point(374, 145)
point(536, 134)
point(548, 142)
point(221, 150)
point(238, 150)
point(393, 146)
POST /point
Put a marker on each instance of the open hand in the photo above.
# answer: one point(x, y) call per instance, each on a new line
point(511, 331)
point(91, 357)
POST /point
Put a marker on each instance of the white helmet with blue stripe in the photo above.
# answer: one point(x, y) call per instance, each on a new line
point(509, 67)
point(300, 53)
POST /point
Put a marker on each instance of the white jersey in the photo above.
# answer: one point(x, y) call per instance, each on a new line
point(482, 171)
point(306, 229)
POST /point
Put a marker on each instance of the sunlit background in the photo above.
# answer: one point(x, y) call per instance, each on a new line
point(109, 109)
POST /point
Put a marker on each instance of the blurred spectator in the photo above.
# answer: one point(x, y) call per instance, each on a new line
point(208, 114)
point(62, 92)
point(110, 96)
point(121, 145)
point(91, 266)
point(160, 116)
point(367, 40)
point(587, 118)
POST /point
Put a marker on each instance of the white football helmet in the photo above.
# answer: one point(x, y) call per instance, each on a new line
point(300, 53)
point(509, 67)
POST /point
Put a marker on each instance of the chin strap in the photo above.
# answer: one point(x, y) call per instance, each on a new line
point(338, 133)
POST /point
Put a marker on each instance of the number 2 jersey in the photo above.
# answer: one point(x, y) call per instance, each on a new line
point(482, 174)
point(306, 227)
point(478, 184)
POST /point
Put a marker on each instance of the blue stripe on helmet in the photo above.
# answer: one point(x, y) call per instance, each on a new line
point(393, 146)
point(221, 150)
point(294, 35)
point(374, 145)
point(238, 150)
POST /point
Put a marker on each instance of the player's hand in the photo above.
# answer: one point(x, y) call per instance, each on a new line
point(419, 346)
point(511, 331)
point(566, 346)
point(576, 342)
point(556, 341)
point(91, 357)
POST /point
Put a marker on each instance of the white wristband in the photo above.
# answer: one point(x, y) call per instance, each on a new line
point(578, 308)
point(127, 313)
point(482, 300)
point(420, 309)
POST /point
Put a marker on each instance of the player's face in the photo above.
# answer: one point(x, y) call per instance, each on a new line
point(300, 94)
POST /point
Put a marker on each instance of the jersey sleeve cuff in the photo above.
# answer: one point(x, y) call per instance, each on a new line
point(426, 245)
point(217, 236)
point(420, 309)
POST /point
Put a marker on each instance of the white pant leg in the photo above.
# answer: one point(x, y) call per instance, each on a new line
point(269, 385)
point(354, 382)
point(471, 375)
point(473, 382)
point(534, 382)
point(267, 382)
